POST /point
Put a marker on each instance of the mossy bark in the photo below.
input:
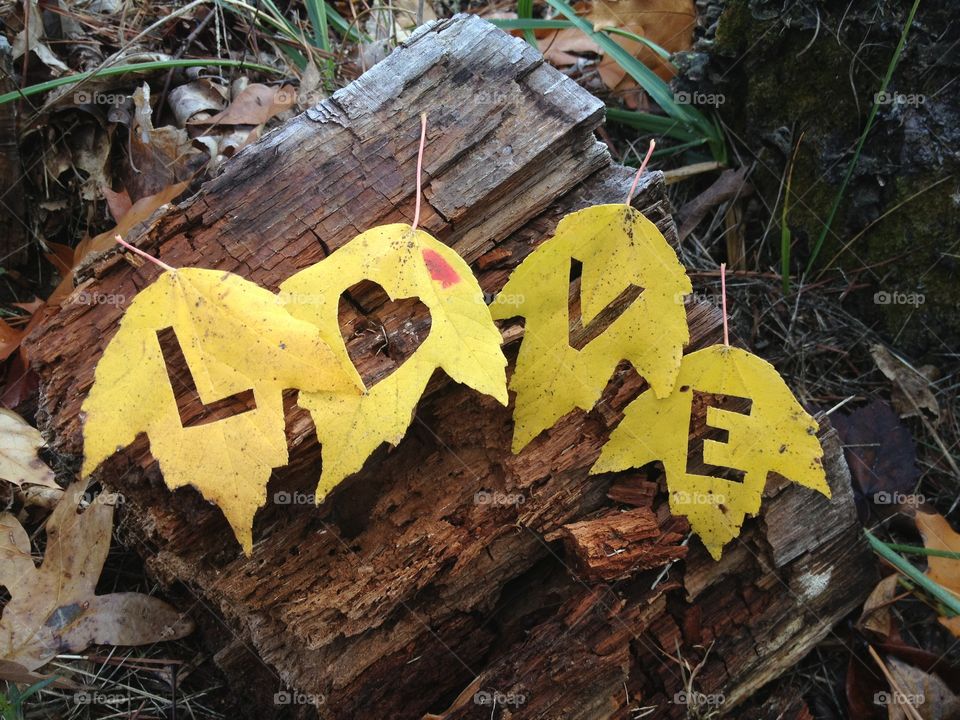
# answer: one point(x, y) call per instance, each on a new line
point(809, 75)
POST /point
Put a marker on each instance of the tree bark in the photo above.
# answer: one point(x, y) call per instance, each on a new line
point(412, 588)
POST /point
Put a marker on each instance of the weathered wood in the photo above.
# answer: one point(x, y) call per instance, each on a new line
point(413, 587)
point(617, 544)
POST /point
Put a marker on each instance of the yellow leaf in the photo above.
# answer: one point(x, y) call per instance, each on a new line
point(617, 247)
point(776, 436)
point(938, 535)
point(463, 340)
point(235, 337)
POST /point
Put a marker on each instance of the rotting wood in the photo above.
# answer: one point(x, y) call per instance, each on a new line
point(406, 593)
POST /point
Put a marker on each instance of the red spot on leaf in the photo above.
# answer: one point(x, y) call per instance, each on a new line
point(439, 268)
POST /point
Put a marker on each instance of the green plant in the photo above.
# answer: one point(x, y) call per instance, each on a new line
point(11, 702)
point(786, 236)
point(683, 122)
point(290, 39)
point(132, 67)
point(944, 597)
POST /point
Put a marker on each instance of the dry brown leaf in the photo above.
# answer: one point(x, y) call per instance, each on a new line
point(19, 443)
point(10, 338)
point(54, 609)
point(196, 100)
point(254, 106)
point(911, 386)
point(159, 156)
point(876, 615)
point(31, 38)
point(90, 152)
point(141, 210)
point(119, 203)
point(928, 695)
point(311, 87)
point(407, 11)
point(938, 535)
point(668, 23)
point(30, 307)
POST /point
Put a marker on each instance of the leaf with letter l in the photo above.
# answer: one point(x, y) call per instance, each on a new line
point(463, 340)
point(618, 248)
point(235, 337)
point(777, 435)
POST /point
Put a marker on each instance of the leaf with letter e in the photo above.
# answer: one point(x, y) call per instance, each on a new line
point(463, 340)
point(776, 435)
point(618, 249)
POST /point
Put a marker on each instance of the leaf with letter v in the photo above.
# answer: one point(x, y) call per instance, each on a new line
point(621, 252)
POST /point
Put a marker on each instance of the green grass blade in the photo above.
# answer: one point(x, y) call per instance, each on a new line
point(658, 124)
point(663, 54)
point(657, 89)
point(917, 550)
point(261, 17)
point(530, 24)
point(133, 67)
point(38, 686)
point(317, 12)
point(345, 28)
point(676, 149)
point(946, 598)
point(645, 77)
point(821, 238)
point(525, 12)
point(274, 13)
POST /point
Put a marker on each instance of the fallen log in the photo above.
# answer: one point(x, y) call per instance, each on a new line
point(450, 575)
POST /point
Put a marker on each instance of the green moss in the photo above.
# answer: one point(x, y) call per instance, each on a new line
point(919, 235)
point(781, 80)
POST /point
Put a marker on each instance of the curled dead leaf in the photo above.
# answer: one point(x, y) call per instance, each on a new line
point(19, 443)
